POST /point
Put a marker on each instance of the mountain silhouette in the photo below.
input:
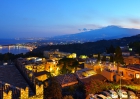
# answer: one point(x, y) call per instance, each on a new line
point(109, 32)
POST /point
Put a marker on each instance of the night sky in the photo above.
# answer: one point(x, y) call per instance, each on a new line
point(43, 18)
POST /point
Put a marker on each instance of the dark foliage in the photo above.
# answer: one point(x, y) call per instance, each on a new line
point(53, 91)
point(111, 49)
point(135, 46)
point(9, 56)
point(92, 47)
point(118, 55)
point(67, 64)
point(81, 49)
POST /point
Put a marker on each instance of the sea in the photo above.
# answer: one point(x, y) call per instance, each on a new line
point(14, 49)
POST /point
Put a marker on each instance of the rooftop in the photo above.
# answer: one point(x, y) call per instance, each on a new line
point(41, 73)
point(67, 79)
point(97, 77)
point(12, 76)
point(134, 67)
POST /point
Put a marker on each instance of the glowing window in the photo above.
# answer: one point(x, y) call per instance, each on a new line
point(137, 75)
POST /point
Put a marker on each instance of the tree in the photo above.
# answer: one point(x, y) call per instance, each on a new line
point(67, 65)
point(136, 46)
point(104, 58)
point(6, 57)
point(1, 57)
point(96, 86)
point(98, 58)
point(118, 57)
point(111, 58)
point(111, 49)
point(53, 90)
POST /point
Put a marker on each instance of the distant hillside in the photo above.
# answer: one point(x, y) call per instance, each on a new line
point(90, 47)
point(109, 32)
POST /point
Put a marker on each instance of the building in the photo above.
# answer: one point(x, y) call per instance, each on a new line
point(73, 55)
point(41, 76)
point(126, 53)
point(28, 73)
point(133, 71)
point(127, 73)
point(93, 77)
point(84, 73)
point(67, 79)
point(56, 54)
point(92, 64)
point(81, 61)
point(131, 60)
point(14, 86)
point(8, 91)
point(51, 65)
point(11, 75)
point(35, 67)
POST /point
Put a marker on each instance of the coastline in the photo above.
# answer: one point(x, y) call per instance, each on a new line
point(16, 46)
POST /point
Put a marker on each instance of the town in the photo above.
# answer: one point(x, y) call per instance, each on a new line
point(69, 49)
point(65, 75)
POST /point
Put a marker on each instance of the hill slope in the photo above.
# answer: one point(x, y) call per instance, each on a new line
point(91, 47)
point(109, 32)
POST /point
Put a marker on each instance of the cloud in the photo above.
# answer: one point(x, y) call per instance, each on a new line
point(127, 22)
point(84, 29)
point(134, 20)
point(79, 29)
point(93, 26)
point(88, 27)
point(72, 28)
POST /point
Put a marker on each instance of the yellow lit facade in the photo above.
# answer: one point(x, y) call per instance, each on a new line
point(73, 55)
point(42, 77)
point(51, 66)
point(35, 68)
point(83, 56)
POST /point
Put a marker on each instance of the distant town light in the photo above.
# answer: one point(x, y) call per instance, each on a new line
point(130, 49)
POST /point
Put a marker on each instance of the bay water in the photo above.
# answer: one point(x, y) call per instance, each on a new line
point(4, 48)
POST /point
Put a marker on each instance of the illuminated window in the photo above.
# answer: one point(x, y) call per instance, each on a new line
point(137, 75)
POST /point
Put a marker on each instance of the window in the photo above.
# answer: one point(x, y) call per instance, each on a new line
point(137, 75)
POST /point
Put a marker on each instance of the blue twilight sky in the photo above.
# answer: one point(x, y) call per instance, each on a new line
point(43, 18)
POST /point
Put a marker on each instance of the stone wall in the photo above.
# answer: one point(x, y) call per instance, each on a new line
point(24, 93)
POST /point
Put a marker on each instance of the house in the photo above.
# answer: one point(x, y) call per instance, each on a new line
point(133, 70)
point(41, 76)
point(128, 72)
point(84, 73)
point(67, 79)
point(93, 77)
point(126, 53)
point(35, 67)
point(56, 54)
point(131, 60)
